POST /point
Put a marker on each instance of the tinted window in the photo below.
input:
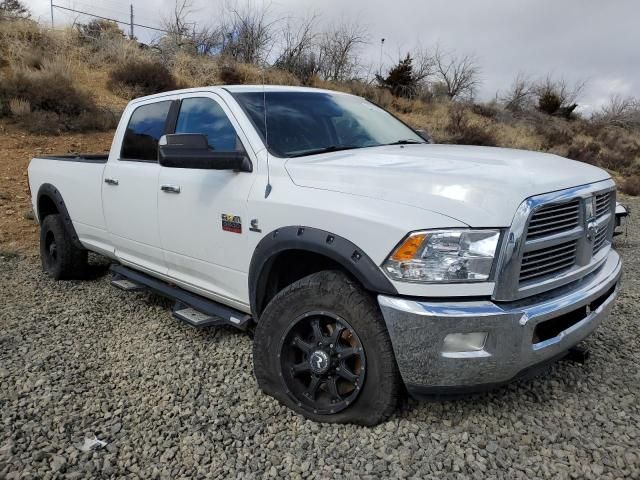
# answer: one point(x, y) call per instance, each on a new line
point(205, 116)
point(302, 123)
point(145, 128)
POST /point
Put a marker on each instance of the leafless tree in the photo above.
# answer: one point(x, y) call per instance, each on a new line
point(458, 76)
point(297, 53)
point(176, 23)
point(207, 40)
point(247, 33)
point(520, 95)
point(424, 63)
point(338, 49)
point(620, 111)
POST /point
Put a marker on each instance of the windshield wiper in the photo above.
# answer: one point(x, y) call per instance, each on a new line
point(330, 148)
point(405, 142)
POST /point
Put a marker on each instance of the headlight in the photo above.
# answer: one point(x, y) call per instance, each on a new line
point(444, 256)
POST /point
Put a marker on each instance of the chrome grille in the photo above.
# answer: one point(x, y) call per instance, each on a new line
point(603, 203)
point(548, 261)
point(552, 219)
point(600, 238)
point(556, 238)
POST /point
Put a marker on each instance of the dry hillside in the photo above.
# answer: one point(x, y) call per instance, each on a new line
point(62, 92)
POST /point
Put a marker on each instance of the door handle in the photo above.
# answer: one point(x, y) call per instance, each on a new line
point(111, 181)
point(170, 188)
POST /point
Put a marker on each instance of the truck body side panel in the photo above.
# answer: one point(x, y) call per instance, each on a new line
point(79, 184)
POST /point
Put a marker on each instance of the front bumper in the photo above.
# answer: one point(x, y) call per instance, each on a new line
point(517, 340)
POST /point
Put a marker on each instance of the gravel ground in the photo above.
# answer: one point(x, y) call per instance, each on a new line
point(83, 358)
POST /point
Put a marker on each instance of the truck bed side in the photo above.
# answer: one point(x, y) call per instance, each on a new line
point(78, 179)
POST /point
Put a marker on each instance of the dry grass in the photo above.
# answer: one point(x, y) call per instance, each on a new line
point(85, 67)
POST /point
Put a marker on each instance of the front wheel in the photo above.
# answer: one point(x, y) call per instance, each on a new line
point(321, 347)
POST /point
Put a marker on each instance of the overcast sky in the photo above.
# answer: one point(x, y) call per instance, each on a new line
point(593, 40)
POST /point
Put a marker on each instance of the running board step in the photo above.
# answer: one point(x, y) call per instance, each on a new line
point(124, 284)
point(190, 307)
point(195, 318)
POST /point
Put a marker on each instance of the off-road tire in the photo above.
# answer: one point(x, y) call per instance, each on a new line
point(64, 260)
point(335, 293)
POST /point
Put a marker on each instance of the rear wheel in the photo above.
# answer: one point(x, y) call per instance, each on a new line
point(61, 259)
point(321, 348)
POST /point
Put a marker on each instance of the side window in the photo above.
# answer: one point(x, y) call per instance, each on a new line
point(205, 116)
point(145, 128)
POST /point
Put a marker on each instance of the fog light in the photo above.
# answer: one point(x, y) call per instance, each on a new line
point(464, 342)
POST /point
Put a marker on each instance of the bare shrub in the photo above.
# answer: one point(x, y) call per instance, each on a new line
point(486, 110)
point(98, 29)
point(630, 185)
point(50, 89)
point(552, 134)
point(232, 73)
point(519, 96)
point(21, 38)
point(379, 96)
point(464, 132)
point(19, 107)
point(620, 112)
point(13, 10)
point(42, 123)
point(195, 70)
point(619, 140)
point(141, 77)
point(584, 151)
point(47, 101)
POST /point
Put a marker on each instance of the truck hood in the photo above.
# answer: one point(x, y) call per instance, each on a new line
point(479, 186)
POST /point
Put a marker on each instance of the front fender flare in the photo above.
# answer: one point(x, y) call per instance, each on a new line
point(318, 241)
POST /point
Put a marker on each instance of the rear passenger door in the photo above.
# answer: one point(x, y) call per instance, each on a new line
point(130, 188)
point(203, 213)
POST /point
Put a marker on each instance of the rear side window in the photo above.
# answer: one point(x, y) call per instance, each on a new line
point(146, 126)
point(205, 116)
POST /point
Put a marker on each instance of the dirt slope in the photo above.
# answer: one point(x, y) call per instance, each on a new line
point(18, 232)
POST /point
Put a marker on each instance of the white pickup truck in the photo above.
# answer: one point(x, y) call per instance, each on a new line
point(367, 259)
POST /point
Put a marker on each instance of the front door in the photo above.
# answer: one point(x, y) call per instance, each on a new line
point(203, 213)
point(130, 190)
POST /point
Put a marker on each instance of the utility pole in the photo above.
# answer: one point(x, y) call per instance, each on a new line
point(51, 5)
point(131, 21)
point(381, 46)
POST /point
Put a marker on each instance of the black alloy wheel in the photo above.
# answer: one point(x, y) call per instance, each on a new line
point(322, 362)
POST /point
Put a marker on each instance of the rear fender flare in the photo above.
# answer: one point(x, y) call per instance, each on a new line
point(50, 191)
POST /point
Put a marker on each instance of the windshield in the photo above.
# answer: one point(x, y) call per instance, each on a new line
point(304, 123)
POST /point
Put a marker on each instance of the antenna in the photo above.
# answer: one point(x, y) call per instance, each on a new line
point(267, 190)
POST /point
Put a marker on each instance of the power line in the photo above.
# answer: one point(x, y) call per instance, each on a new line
point(107, 18)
